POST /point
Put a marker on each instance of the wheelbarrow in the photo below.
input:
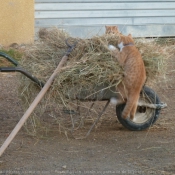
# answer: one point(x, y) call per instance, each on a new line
point(149, 105)
point(148, 110)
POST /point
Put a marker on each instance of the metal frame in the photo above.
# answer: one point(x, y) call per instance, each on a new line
point(18, 69)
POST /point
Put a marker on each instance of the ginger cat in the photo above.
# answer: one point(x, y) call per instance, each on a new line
point(112, 30)
point(134, 74)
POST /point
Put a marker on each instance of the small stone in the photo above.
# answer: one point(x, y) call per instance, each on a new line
point(64, 166)
point(14, 45)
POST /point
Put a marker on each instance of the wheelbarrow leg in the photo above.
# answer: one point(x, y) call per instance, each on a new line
point(82, 120)
point(98, 118)
point(90, 109)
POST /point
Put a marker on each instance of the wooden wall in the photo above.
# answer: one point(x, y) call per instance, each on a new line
point(84, 18)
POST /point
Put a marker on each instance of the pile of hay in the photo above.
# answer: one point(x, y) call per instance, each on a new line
point(89, 64)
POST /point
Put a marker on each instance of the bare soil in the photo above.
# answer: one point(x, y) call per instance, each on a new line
point(109, 149)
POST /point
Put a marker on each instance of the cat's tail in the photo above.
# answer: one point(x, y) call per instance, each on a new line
point(131, 106)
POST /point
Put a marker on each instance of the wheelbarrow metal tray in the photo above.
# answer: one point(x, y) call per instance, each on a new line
point(100, 93)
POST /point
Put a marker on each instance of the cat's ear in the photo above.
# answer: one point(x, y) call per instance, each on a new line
point(116, 27)
point(106, 27)
point(130, 35)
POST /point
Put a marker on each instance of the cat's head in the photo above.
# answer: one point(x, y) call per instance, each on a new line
point(126, 39)
point(112, 30)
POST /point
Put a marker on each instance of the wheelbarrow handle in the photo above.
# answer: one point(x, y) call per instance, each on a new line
point(24, 72)
point(2, 54)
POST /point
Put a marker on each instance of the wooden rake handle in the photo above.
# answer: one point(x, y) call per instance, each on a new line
point(32, 106)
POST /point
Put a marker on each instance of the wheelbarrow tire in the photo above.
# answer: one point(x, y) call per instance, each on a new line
point(145, 116)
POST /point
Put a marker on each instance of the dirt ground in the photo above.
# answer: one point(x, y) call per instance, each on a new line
point(110, 149)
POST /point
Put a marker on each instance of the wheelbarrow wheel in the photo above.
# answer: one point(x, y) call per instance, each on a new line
point(145, 116)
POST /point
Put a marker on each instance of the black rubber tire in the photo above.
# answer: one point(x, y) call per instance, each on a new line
point(131, 125)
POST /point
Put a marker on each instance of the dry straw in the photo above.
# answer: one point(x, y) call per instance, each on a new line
point(89, 64)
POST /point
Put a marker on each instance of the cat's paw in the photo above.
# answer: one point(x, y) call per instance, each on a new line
point(132, 117)
point(111, 47)
point(125, 116)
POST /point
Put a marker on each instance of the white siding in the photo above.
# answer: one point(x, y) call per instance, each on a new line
point(84, 18)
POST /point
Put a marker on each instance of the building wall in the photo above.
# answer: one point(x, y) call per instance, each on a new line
point(84, 18)
point(16, 21)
